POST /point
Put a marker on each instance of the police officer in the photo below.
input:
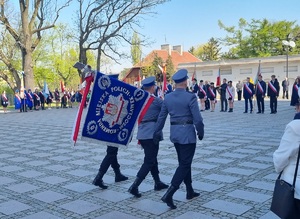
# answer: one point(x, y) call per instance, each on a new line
point(145, 135)
point(110, 159)
point(185, 116)
point(273, 93)
point(248, 92)
point(260, 92)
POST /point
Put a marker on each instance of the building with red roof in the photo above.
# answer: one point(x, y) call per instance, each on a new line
point(176, 52)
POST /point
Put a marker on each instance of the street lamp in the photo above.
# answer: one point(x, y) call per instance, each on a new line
point(287, 43)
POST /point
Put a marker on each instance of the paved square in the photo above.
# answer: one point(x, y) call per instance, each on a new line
point(46, 177)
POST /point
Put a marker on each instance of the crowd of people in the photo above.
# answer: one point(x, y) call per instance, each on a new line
point(207, 94)
point(29, 100)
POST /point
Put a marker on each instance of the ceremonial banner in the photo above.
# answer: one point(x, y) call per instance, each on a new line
point(113, 111)
point(218, 84)
point(46, 92)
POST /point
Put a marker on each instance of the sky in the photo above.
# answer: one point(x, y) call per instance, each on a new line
point(193, 22)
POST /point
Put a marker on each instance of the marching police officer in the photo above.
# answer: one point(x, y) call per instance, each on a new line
point(182, 106)
point(145, 135)
point(110, 159)
point(260, 92)
point(273, 93)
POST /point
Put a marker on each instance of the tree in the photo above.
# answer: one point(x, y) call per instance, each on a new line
point(211, 50)
point(136, 50)
point(104, 26)
point(34, 18)
point(11, 63)
point(169, 68)
point(259, 38)
point(198, 51)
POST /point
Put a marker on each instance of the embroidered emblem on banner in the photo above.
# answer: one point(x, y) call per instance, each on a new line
point(113, 111)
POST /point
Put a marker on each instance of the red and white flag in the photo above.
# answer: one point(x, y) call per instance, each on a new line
point(163, 71)
point(218, 84)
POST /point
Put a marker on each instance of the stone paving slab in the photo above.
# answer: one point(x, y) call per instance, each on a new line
point(43, 176)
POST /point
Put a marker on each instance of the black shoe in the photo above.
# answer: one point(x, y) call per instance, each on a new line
point(119, 177)
point(271, 112)
point(245, 112)
point(251, 111)
point(275, 112)
point(134, 188)
point(190, 193)
point(168, 197)
point(159, 186)
point(258, 112)
point(221, 110)
point(99, 182)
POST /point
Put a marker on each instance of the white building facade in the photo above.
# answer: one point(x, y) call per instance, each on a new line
point(240, 69)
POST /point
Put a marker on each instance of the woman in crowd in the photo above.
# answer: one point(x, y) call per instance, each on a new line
point(4, 101)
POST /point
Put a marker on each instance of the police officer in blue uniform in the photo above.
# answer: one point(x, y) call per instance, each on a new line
point(182, 106)
point(145, 135)
point(110, 159)
point(260, 92)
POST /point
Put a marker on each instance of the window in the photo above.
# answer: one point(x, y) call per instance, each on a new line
point(226, 71)
point(207, 73)
point(247, 71)
point(291, 68)
point(267, 70)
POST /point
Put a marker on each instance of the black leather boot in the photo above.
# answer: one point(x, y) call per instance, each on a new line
point(98, 181)
point(190, 193)
point(168, 197)
point(158, 185)
point(119, 177)
point(134, 188)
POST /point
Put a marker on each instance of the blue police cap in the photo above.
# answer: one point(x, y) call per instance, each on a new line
point(148, 82)
point(17, 91)
point(116, 76)
point(180, 76)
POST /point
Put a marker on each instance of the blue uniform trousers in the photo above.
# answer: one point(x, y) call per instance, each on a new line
point(110, 159)
point(183, 173)
point(150, 159)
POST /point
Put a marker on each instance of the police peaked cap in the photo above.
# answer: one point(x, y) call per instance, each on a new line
point(148, 82)
point(180, 76)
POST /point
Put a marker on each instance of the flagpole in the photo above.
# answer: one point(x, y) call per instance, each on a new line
point(255, 83)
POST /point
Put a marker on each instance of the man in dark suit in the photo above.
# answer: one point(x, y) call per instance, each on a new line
point(185, 117)
point(222, 91)
point(169, 88)
point(248, 91)
point(273, 93)
point(195, 87)
point(260, 92)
